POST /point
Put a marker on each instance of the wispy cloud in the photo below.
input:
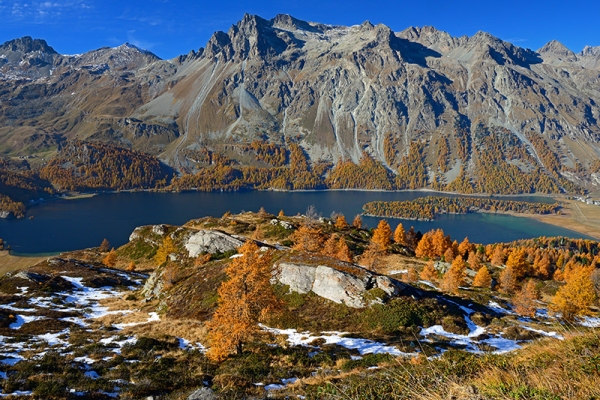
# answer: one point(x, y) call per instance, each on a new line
point(45, 11)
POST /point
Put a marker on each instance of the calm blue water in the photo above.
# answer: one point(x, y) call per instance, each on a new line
point(74, 224)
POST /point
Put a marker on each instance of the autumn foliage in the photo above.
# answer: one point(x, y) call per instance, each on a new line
point(245, 299)
point(576, 296)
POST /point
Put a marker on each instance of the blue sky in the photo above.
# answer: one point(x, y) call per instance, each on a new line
point(170, 28)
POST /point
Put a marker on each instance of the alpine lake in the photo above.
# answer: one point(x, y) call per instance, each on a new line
point(64, 225)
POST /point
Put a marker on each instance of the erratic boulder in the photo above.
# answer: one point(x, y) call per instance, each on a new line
point(206, 241)
point(341, 285)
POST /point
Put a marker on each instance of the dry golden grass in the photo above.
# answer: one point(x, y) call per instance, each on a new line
point(577, 216)
point(395, 262)
point(10, 263)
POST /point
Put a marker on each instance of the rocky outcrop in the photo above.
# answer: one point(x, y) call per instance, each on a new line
point(349, 286)
point(206, 241)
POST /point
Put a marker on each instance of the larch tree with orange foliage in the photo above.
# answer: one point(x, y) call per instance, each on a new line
point(465, 247)
point(498, 257)
point(517, 259)
point(576, 296)
point(455, 276)
point(357, 222)
point(449, 255)
point(542, 267)
point(425, 247)
point(111, 258)
point(400, 235)
point(165, 250)
point(382, 236)
point(483, 278)
point(508, 280)
point(340, 222)
point(245, 299)
point(308, 238)
point(474, 261)
point(525, 300)
point(429, 273)
point(343, 251)
point(440, 242)
point(330, 247)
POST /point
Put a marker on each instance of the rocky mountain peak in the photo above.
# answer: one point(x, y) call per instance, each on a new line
point(289, 23)
point(27, 45)
point(593, 51)
point(558, 49)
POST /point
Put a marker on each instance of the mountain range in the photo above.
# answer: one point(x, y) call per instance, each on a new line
point(339, 92)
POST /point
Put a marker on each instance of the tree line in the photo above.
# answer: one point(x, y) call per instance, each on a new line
point(427, 208)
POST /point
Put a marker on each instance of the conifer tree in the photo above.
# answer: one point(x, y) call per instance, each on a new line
point(473, 260)
point(400, 235)
point(382, 236)
point(330, 248)
point(542, 267)
point(483, 279)
point(440, 242)
point(308, 238)
point(104, 246)
point(343, 252)
point(281, 213)
point(166, 248)
point(411, 238)
point(425, 247)
point(576, 296)
point(340, 222)
point(524, 300)
point(357, 222)
point(465, 247)
point(245, 299)
point(517, 259)
point(455, 276)
point(429, 272)
point(449, 255)
point(498, 256)
point(111, 258)
point(508, 280)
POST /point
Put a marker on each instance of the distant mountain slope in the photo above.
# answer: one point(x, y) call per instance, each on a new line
point(336, 91)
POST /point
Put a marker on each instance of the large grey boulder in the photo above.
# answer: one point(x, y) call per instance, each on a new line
point(347, 286)
point(300, 278)
point(206, 241)
point(340, 287)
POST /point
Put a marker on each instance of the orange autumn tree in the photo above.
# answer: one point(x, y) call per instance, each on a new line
point(525, 300)
point(429, 273)
point(245, 299)
point(576, 296)
point(111, 258)
point(400, 235)
point(382, 236)
point(483, 278)
point(340, 222)
point(455, 276)
point(308, 238)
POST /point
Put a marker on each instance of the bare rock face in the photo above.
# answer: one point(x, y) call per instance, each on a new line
point(338, 91)
point(206, 241)
point(334, 284)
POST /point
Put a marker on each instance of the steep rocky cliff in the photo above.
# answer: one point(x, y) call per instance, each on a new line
point(337, 91)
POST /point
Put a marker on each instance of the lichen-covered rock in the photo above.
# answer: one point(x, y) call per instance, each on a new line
point(300, 278)
point(153, 286)
point(206, 241)
point(340, 286)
